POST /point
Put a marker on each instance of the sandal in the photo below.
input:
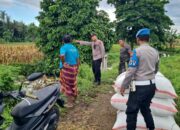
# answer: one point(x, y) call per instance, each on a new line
point(68, 105)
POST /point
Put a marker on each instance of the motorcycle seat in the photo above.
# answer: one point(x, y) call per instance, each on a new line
point(22, 109)
point(34, 76)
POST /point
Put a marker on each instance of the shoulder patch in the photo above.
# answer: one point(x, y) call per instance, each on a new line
point(134, 61)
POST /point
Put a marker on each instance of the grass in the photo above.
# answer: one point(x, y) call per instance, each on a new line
point(170, 67)
point(13, 71)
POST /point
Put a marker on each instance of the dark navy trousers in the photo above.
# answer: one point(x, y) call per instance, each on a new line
point(140, 100)
point(96, 67)
point(122, 64)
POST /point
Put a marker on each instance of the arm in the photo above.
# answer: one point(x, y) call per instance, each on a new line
point(133, 65)
point(78, 59)
point(78, 62)
point(84, 43)
point(157, 65)
point(62, 58)
point(62, 54)
point(129, 51)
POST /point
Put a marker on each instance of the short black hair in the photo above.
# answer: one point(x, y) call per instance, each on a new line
point(67, 38)
point(121, 38)
point(93, 34)
point(144, 38)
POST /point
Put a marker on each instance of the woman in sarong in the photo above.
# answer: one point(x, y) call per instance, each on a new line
point(69, 64)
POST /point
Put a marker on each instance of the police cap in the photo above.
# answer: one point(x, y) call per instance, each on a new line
point(143, 32)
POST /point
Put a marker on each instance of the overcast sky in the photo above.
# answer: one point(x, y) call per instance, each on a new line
point(27, 10)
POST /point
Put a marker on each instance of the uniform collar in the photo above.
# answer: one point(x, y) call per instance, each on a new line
point(145, 44)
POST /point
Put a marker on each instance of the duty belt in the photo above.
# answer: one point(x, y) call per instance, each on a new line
point(145, 82)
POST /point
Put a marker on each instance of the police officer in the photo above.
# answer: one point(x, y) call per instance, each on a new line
point(143, 66)
point(125, 53)
point(98, 52)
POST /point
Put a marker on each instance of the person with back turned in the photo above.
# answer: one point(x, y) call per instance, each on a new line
point(143, 66)
point(125, 53)
point(69, 65)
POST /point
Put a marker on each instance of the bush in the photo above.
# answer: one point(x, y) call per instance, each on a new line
point(6, 83)
point(55, 23)
point(8, 76)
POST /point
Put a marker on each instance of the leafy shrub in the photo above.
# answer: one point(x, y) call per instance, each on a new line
point(6, 82)
point(79, 19)
point(8, 76)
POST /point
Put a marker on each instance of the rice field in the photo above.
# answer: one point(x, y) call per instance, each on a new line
point(19, 53)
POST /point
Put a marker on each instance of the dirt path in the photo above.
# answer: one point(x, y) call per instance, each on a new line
point(98, 115)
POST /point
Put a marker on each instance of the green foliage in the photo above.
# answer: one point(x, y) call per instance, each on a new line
point(7, 117)
point(139, 14)
point(113, 55)
point(85, 78)
point(6, 82)
point(78, 18)
point(178, 36)
point(32, 33)
point(8, 74)
point(7, 35)
point(171, 37)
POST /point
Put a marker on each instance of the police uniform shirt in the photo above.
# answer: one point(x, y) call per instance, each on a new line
point(143, 65)
point(98, 49)
point(124, 51)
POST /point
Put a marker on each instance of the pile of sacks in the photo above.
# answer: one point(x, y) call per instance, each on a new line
point(163, 106)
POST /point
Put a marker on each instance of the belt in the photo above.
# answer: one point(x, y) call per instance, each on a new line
point(146, 82)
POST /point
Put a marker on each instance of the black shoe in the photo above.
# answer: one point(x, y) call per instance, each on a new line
point(98, 83)
point(94, 81)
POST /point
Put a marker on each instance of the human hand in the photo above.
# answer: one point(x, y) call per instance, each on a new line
point(76, 41)
point(122, 91)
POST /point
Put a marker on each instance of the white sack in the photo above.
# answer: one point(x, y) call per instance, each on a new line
point(163, 85)
point(161, 123)
point(159, 107)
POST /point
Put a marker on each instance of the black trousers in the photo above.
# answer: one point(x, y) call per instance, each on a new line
point(122, 64)
point(96, 67)
point(140, 100)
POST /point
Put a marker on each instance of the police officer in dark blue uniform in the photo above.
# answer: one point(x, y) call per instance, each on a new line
point(143, 66)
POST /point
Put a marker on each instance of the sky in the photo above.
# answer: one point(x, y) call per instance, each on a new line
point(27, 10)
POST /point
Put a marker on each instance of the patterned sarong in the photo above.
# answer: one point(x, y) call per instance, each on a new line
point(68, 80)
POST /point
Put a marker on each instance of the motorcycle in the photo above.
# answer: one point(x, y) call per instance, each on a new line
point(36, 111)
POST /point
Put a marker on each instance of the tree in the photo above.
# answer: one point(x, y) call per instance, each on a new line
point(171, 36)
point(78, 18)
point(32, 32)
point(2, 18)
point(133, 15)
point(7, 35)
